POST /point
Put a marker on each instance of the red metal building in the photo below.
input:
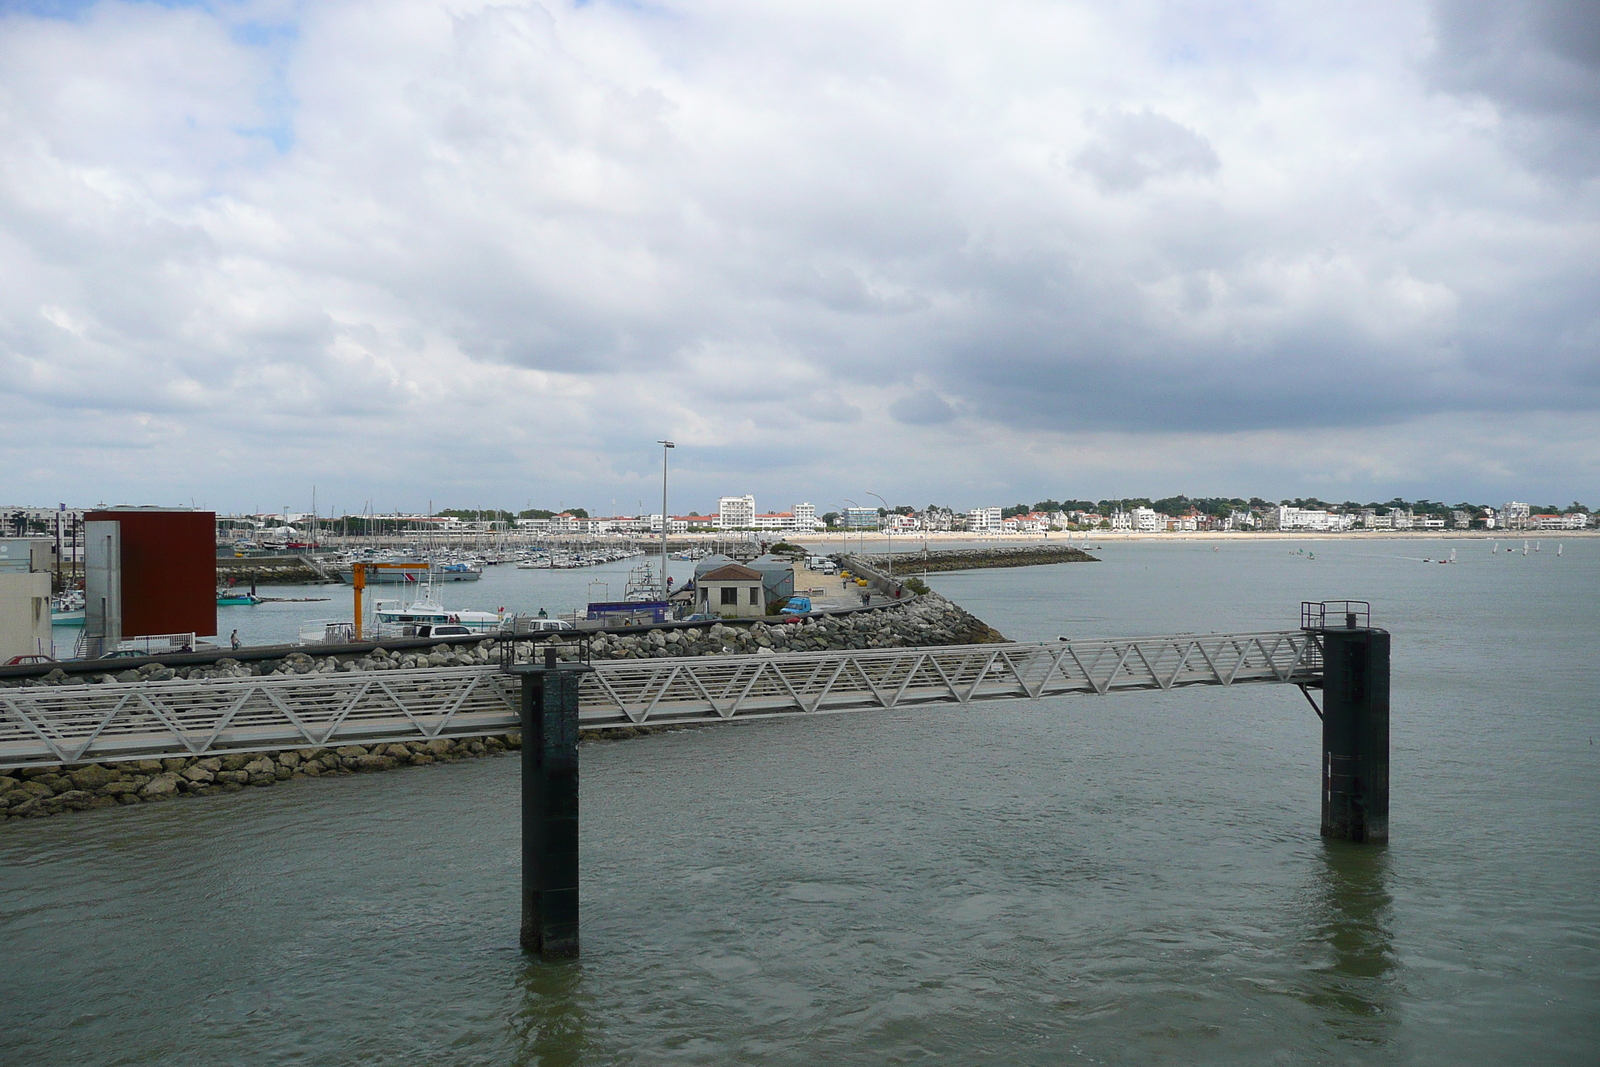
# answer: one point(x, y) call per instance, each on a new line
point(169, 570)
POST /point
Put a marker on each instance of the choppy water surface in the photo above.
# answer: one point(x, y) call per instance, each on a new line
point(1130, 879)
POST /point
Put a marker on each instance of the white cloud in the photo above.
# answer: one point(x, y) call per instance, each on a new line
point(479, 252)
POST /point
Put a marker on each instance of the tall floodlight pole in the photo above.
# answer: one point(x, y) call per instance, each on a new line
point(664, 446)
point(890, 514)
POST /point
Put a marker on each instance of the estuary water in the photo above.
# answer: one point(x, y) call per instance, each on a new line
point(1130, 879)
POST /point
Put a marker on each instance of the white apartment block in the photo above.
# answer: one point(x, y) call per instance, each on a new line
point(1287, 518)
point(985, 519)
point(805, 517)
point(1516, 516)
point(736, 512)
point(1147, 520)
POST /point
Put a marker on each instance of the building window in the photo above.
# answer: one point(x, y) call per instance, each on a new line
point(730, 596)
point(755, 596)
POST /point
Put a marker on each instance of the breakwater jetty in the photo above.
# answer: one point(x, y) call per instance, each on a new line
point(269, 570)
point(971, 559)
point(34, 792)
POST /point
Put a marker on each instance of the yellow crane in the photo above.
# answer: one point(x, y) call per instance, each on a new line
point(358, 581)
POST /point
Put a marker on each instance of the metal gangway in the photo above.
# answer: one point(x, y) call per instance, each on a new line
point(45, 725)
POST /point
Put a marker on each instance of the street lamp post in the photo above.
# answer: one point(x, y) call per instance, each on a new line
point(890, 515)
point(664, 446)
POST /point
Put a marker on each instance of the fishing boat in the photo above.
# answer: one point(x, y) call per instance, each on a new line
point(227, 598)
point(67, 609)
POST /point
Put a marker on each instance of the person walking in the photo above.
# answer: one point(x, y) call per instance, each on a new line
point(233, 640)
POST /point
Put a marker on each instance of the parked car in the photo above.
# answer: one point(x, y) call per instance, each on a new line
point(443, 630)
point(24, 661)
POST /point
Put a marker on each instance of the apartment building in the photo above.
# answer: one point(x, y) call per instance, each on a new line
point(736, 512)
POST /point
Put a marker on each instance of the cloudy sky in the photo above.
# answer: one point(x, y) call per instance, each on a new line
point(487, 254)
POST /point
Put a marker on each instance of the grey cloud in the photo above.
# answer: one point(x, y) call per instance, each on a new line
point(1537, 60)
point(922, 408)
point(1133, 147)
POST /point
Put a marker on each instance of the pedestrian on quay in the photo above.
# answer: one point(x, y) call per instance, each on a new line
point(233, 640)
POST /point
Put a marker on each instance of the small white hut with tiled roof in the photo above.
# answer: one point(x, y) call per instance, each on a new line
point(731, 591)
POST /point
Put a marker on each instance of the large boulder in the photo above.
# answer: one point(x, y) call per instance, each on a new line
point(92, 776)
point(161, 787)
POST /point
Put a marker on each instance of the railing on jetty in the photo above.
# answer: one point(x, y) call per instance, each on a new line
point(43, 725)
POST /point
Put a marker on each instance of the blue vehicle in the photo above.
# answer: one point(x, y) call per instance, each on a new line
point(797, 605)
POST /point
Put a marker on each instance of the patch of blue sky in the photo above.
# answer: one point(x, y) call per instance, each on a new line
point(73, 9)
point(277, 104)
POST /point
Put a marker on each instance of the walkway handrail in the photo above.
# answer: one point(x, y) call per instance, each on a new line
point(44, 725)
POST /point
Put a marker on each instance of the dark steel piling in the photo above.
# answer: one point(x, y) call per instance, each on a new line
point(550, 806)
point(1355, 733)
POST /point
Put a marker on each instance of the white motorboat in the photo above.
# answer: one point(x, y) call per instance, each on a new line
point(426, 611)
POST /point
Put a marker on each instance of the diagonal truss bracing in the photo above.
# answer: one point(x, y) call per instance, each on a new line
point(138, 720)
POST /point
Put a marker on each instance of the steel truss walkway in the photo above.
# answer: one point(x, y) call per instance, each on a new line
point(43, 725)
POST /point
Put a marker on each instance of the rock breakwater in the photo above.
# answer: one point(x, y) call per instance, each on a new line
point(926, 620)
point(969, 559)
point(268, 570)
point(34, 792)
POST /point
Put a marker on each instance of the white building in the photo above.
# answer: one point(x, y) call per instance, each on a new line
point(1317, 519)
point(1032, 522)
point(805, 517)
point(736, 512)
point(1148, 520)
point(861, 518)
point(1572, 520)
point(1516, 516)
point(985, 519)
point(25, 566)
